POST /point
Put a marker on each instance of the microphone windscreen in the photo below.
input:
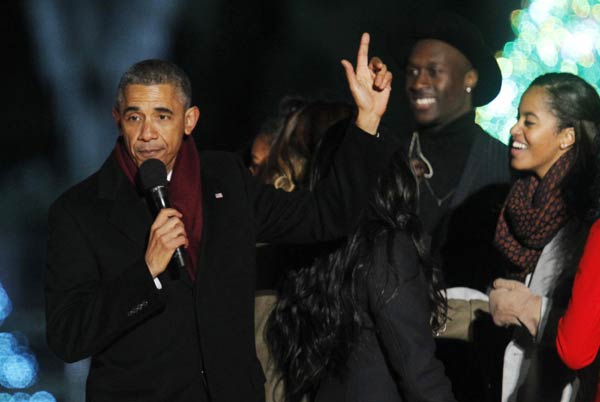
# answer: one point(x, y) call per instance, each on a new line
point(153, 173)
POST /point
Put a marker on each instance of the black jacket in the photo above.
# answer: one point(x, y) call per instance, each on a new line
point(394, 357)
point(462, 236)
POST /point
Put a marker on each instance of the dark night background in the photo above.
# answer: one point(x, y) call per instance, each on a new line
point(242, 56)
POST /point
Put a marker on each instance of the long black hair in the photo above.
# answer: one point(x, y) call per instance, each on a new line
point(576, 104)
point(317, 319)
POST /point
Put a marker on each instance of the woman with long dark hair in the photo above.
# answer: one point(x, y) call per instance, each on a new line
point(542, 229)
point(287, 167)
point(356, 325)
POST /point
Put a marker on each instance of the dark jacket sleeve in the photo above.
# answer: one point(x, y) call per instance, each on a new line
point(84, 314)
point(333, 209)
point(399, 305)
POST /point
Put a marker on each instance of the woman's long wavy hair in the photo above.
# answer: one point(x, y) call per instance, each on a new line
point(290, 154)
point(575, 103)
point(317, 319)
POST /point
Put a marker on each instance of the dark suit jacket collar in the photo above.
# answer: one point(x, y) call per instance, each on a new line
point(129, 213)
point(475, 173)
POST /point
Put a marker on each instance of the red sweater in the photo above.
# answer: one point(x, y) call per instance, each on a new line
point(578, 336)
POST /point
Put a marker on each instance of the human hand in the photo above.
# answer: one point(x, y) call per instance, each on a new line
point(383, 78)
point(508, 284)
point(370, 85)
point(513, 303)
point(166, 234)
point(502, 308)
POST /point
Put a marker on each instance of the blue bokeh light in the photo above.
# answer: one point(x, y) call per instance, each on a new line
point(5, 305)
point(18, 366)
point(18, 371)
point(42, 396)
point(8, 343)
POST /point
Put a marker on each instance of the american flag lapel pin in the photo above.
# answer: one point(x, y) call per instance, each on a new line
point(218, 195)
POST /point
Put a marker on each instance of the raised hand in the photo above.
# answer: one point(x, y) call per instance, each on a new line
point(370, 85)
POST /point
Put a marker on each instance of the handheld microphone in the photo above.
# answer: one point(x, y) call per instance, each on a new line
point(153, 177)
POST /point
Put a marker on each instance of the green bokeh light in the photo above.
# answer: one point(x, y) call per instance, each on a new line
point(551, 35)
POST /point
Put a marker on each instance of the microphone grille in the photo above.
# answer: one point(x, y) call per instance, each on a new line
point(153, 173)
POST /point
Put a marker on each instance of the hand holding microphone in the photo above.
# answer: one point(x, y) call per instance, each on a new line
point(167, 234)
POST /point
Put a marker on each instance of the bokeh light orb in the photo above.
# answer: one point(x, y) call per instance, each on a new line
point(42, 396)
point(18, 371)
point(551, 35)
point(8, 343)
point(5, 305)
point(20, 397)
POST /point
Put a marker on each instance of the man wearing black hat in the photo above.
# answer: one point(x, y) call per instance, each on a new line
point(449, 71)
point(463, 171)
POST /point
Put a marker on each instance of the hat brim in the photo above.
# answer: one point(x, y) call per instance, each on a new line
point(460, 34)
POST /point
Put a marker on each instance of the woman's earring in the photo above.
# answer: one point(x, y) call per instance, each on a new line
point(468, 89)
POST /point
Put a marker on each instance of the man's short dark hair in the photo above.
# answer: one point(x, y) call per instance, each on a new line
point(156, 72)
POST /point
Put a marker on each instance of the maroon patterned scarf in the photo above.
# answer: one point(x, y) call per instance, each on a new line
point(532, 215)
point(185, 191)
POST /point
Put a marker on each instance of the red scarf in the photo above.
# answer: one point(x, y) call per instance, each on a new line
point(533, 213)
point(185, 191)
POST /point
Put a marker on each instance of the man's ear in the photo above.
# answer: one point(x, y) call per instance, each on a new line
point(117, 118)
point(471, 79)
point(191, 118)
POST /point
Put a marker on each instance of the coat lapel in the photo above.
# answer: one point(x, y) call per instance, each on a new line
point(472, 169)
point(208, 186)
point(214, 220)
point(129, 213)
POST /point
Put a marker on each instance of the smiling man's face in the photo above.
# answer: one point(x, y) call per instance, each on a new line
point(437, 77)
point(153, 121)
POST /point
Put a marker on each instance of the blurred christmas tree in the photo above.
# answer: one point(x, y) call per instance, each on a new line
point(551, 36)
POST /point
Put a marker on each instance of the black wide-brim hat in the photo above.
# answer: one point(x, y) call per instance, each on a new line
point(458, 32)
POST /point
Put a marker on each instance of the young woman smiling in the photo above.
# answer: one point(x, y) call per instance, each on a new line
point(542, 229)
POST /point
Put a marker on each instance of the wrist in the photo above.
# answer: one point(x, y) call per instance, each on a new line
point(530, 314)
point(153, 272)
point(368, 122)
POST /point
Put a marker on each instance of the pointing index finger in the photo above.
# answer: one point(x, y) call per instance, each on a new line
point(362, 59)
